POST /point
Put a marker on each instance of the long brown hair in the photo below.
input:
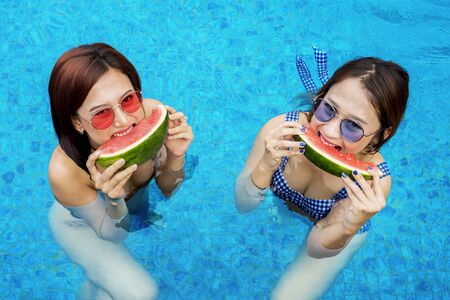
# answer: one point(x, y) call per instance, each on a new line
point(72, 77)
point(387, 86)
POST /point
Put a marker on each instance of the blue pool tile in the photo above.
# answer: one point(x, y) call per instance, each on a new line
point(423, 287)
point(404, 161)
point(8, 177)
point(35, 146)
point(20, 168)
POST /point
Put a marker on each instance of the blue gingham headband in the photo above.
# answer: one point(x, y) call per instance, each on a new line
point(321, 60)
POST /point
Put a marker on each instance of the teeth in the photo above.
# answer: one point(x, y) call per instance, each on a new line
point(326, 143)
point(122, 134)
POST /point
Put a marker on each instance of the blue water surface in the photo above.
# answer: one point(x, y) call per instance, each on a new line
point(229, 66)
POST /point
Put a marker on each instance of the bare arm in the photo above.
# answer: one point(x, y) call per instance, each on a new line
point(270, 146)
point(330, 235)
point(106, 214)
point(169, 163)
point(169, 172)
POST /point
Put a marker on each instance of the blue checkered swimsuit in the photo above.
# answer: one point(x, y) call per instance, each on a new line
point(314, 208)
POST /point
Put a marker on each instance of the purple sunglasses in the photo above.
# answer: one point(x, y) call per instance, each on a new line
point(351, 131)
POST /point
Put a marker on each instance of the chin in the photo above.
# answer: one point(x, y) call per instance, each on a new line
point(95, 143)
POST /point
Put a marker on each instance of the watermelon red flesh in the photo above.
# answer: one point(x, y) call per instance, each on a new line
point(329, 159)
point(117, 143)
point(139, 145)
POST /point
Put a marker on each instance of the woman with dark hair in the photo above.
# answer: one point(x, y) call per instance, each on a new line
point(95, 94)
point(356, 111)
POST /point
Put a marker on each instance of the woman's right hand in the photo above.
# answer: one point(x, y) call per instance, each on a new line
point(280, 143)
point(108, 181)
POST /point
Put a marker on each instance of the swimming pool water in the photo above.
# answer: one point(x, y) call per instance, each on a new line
point(230, 66)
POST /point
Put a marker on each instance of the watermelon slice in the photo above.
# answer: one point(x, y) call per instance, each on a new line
point(329, 159)
point(139, 145)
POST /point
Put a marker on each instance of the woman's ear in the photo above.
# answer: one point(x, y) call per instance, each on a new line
point(387, 132)
point(77, 125)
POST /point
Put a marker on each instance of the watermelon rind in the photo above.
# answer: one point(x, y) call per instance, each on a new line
point(326, 162)
point(142, 150)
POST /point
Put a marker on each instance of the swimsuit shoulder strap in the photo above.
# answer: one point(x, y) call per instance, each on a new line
point(292, 116)
point(384, 169)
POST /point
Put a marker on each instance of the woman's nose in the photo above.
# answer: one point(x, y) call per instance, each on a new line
point(332, 128)
point(120, 117)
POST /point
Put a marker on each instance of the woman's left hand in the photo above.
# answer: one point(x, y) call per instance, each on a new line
point(180, 133)
point(365, 201)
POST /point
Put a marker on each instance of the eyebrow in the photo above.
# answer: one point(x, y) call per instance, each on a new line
point(352, 117)
point(102, 105)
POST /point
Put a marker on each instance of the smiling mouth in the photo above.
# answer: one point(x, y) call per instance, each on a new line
point(338, 148)
point(124, 132)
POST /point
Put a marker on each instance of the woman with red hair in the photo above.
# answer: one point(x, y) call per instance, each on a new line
point(95, 94)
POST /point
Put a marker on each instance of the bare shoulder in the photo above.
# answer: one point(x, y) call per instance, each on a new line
point(377, 158)
point(150, 104)
point(70, 184)
point(272, 124)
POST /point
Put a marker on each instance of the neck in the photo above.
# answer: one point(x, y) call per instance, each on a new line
point(365, 156)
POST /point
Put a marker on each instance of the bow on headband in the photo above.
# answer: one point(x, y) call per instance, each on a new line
point(322, 70)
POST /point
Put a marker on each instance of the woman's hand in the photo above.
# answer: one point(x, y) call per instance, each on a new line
point(180, 133)
point(280, 143)
point(108, 181)
point(365, 201)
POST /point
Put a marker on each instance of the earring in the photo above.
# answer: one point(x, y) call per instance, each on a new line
point(82, 131)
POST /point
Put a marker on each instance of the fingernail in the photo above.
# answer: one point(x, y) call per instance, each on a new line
point(303, 129)
point(343, 175)
point(302, 151)
point(355, 172)
point(302, 144)
point(369, 168)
